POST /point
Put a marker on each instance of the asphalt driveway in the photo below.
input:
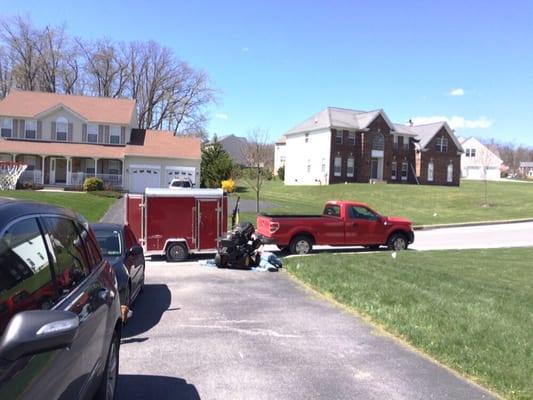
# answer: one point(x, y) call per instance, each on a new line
point(204, 333)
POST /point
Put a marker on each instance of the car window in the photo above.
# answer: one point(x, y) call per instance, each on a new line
point(93, 252)
point(332, 210)
point(70, 264)
point(110, 242)
point(25, 276)
point(131, 240)
point(358, 212)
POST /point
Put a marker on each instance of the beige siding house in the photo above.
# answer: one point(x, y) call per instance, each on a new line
point(65, 138)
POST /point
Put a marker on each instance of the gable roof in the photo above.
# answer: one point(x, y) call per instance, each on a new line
point(282, 140)
point(426, 132)
point(334, 117)
point(25, 104)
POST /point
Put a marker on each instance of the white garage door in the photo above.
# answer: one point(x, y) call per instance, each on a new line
point(143, 176)
point(180, 172)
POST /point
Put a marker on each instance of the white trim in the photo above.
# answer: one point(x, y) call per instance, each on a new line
point(145, 166)
point(197, 193)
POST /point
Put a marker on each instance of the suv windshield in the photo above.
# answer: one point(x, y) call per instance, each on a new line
point(110, 242)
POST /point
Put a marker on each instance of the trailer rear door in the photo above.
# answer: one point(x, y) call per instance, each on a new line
point(208, 223)
point(134, 215)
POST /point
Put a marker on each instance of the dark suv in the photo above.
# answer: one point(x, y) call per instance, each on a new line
point(60, 320)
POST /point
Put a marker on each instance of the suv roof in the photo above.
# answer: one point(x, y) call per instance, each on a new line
point(11, 209)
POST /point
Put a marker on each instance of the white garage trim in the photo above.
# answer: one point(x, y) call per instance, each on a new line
point(180, 172)
point(152, 166)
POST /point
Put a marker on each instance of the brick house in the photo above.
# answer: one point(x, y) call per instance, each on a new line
point(66, 138)
point(340, 145)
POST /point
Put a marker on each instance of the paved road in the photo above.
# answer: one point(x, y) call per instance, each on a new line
point(204, 333)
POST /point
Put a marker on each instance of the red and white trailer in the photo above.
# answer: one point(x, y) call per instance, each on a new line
point(177, 222)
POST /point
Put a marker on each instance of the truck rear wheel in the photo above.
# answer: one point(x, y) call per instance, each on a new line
point(301, 245)
point(177, 252)
point(398, 241)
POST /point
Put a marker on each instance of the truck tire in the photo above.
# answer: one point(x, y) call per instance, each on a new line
point(177, 252)
point(301, 244)
point(397, 241)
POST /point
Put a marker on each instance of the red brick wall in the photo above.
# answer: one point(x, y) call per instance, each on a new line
point(440, 162)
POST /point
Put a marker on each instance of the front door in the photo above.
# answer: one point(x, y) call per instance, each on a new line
point(207, 223)
point(374, 170)
point(58, 170)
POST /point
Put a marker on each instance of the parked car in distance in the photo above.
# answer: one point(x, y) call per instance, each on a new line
point(60, 322)
point(120, 247)
point(342, 223)
point(181, 183)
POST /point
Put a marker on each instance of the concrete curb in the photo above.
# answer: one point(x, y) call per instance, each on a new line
point(467, 224)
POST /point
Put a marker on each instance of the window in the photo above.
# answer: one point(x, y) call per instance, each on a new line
point(351, 138)
point(405, 169)
point(69, 258)
point(338, 137)
point(449, 173)
point(350, 167)
point(442, 145)
point(6, 127)
point(61, 129)
point(282, 159)
point(113, 167)
point(395, 142)
point(110, 242)
point(92, 133)
point(337, 167)
point(394, 168)
point(430, 171)
point(358, 212)
point(323, 165)
point(30, 161)
point(332, 210)
point(470, 152)
point(308, 166)
point(378, 143)
point(25, 277)
point(31, 129)
point(306, 138)
point(114, 134)
point(406, 143)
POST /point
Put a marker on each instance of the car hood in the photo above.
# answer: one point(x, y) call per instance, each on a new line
point(399, 220)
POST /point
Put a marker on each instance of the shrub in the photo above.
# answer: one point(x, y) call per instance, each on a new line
point(281, 172)
point(228, 185)
point(92, 184)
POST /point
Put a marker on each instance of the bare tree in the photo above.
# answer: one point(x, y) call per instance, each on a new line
point(259, 156)
point(21, 40)
point(6, 81)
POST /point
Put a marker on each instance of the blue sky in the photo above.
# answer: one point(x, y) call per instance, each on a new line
point(276, 63)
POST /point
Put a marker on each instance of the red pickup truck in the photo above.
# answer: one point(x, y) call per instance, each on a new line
point(343, 223)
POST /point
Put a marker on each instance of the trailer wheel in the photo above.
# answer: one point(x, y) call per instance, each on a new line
point(177, 252)
point(301, 245)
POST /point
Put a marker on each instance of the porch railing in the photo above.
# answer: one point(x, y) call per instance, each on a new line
point(77, 178)
point(33, 176)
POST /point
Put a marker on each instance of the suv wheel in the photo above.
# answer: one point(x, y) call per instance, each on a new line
point(108, 386)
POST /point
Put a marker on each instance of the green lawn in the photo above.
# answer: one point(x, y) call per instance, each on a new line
point(91, 206)
point(470, 309)
point(423, 204)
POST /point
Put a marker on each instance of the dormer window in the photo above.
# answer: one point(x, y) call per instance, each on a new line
point(114, 134)
point(30, 131)
point(6, 127)
point(92, 133)
point(61, 129)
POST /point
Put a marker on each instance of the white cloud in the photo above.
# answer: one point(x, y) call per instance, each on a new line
point(457, 92)
point(455, 121)
point(245, 49)
point(222, 116)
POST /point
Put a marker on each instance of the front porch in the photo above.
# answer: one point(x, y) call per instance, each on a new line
point(67, 171)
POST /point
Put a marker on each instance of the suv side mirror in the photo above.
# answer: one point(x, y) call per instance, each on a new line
point(136, 250)
point(38, 331)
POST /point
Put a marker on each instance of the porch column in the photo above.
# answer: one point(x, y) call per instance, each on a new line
point(95, 166)
point(42, 169)
point(69, 169)
point(14, 155)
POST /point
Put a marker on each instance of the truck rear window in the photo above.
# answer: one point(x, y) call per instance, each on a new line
point(332, 210)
